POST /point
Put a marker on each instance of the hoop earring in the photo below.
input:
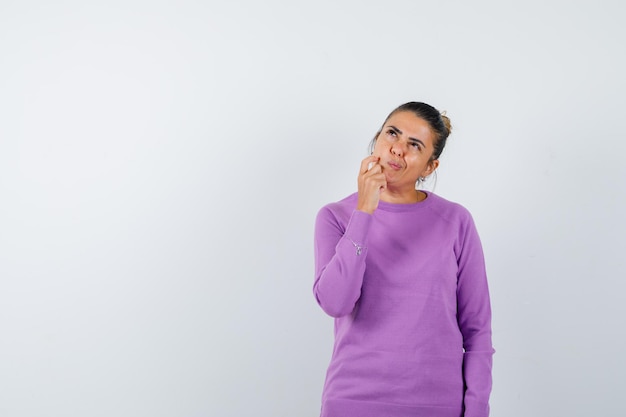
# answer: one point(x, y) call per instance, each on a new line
point(432, 181)
point(420, 182)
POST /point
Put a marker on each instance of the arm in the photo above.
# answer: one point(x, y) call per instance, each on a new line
point(340, 254)
point(474, 317)
point(339, 261)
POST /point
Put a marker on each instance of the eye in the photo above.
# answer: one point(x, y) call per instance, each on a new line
point(416, 145)
point(392, 133)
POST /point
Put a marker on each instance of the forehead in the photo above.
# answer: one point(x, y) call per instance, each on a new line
point(411, 125)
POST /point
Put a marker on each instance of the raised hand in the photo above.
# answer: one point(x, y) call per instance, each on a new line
point(371, 183)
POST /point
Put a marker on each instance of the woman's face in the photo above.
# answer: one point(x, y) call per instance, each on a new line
point(405, 145)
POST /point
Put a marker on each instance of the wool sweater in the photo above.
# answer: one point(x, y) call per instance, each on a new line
point(408, 290)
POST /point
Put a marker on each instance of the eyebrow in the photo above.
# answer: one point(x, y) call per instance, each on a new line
point(410, 138)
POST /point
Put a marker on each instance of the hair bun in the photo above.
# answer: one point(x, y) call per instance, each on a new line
point(446, 122)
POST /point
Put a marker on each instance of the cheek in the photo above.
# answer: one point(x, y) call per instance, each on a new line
point(418, 164)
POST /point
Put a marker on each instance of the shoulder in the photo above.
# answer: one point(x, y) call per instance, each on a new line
point(460, 222)
point(450, 211)
point(336, 215)
point(343, 207)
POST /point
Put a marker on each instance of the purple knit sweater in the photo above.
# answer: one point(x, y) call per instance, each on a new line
point(408, 290)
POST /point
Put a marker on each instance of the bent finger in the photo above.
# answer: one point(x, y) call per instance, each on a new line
point(366, 163)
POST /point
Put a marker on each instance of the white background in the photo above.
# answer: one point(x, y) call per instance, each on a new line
point(162, 162)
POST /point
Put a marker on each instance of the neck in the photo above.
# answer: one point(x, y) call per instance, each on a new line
point(404, 197)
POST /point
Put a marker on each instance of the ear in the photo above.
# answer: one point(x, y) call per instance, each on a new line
point(430, 168)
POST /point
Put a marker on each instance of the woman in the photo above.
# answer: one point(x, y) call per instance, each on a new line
point(402, 272)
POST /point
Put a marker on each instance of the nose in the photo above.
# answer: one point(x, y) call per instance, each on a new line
point(397, 148)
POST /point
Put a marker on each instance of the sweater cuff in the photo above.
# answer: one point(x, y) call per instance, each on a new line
point(357, 228)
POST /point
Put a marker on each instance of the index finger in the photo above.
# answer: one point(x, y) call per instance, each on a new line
point(365, 164)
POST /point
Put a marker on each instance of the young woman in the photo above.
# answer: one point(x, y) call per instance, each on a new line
point(402, 271)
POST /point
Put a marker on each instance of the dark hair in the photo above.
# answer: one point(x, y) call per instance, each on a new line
point(439, 123)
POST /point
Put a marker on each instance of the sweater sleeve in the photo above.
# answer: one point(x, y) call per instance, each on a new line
point(339, 260)
point(474, 317)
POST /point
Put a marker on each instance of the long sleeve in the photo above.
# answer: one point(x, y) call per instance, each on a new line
point(340, 253)
point(474, 317)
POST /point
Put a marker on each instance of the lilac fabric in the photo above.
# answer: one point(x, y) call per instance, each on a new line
point(408, 290)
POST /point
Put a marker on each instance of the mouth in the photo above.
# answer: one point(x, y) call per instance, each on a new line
point(394, 165)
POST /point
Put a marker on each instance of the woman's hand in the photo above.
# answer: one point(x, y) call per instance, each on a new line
point(371, 183)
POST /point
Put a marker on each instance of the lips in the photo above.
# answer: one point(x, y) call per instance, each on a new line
point(394, 165)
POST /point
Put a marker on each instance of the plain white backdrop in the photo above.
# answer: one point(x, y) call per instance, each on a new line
point(162, 162)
